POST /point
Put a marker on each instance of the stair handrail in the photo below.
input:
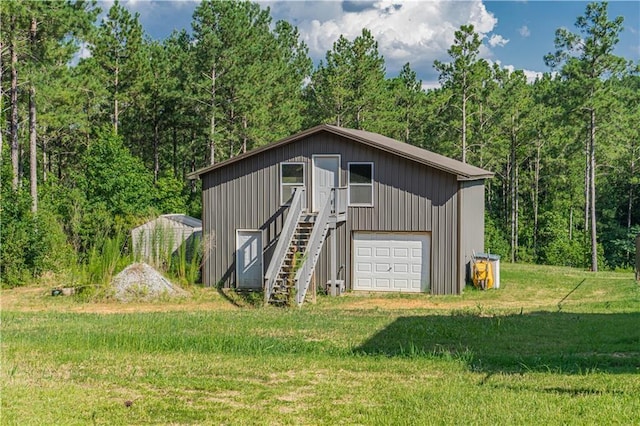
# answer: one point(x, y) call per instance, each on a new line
point(284, 241)
point(340, 205)
point(314, 245)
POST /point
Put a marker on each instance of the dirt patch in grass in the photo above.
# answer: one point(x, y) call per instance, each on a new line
point(39, 299)
point(524, 289)
point(426, 302)
point(13, 297)
point(380, 302)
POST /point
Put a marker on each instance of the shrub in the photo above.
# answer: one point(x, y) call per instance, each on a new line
point(30, 244)
point(495, 241)
point(170, 195)
point(113, 178)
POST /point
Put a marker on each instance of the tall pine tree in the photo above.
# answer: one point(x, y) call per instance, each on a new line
point(587, 61)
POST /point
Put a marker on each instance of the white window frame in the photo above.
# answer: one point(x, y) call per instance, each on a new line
point(283, 184)
point(350, 184)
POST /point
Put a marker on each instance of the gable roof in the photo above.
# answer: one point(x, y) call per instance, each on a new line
point(462, 170)
point(181, 219)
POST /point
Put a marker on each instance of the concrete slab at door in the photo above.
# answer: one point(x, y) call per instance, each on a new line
point(391, 261)
point(326, 175)
point(249, 259)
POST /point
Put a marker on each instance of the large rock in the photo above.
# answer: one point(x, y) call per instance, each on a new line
point(140, 281)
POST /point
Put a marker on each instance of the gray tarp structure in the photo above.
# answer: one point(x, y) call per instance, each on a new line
point(164, 236)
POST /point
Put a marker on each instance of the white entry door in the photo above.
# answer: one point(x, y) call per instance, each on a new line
point(249, 270)
point(326, 175)
point(391, 261)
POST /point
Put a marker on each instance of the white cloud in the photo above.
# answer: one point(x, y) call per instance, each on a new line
point(529, 74)
point(497, 40)
point(430, 85)
point(524, 31)
point(84, 52)
point(413, 31)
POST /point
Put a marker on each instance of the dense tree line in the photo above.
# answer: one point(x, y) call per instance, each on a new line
point(91, 146)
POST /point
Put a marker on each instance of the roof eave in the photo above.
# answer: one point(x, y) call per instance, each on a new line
point(437, 166)
point(303, 134)
point(338, 131)
point(476, 177)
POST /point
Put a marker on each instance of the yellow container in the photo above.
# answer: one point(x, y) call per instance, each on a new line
point(482, 274)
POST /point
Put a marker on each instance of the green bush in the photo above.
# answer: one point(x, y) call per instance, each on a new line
point(564, 252)
point(30, 244)
point(495, 240)
point(170, 195)
point(619, 246)
point(113, 178)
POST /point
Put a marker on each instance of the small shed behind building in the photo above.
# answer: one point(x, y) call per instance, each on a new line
point(164, 236)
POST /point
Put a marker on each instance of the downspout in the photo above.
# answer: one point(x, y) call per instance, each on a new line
point(334, 260)
point(461, 264)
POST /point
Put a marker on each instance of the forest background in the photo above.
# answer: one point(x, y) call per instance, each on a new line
point(92, 147)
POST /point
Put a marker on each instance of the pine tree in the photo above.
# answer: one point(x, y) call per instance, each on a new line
point(249, 77)
point(349, 89)
point(587, 61)
point(407, 109)
point(464, 77)
point(117, 53)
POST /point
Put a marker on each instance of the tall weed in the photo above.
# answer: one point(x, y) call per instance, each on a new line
point(105, 259)
point(166, 251)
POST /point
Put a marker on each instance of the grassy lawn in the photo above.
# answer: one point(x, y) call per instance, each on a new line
point(551, 346)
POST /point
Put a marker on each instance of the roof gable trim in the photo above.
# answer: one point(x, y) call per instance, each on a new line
point(463, 171)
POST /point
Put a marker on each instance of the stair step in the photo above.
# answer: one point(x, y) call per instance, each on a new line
point(284, 285)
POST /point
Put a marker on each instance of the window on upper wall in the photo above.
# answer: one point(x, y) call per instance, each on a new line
point(291, 177)
point(361, 184)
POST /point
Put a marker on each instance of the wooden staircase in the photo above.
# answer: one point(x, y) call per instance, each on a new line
point(282, 292)
point(303, 234)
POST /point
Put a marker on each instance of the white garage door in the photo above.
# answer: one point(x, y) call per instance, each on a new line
point(391, 261)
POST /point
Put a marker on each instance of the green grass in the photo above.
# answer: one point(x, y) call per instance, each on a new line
point(547, 348)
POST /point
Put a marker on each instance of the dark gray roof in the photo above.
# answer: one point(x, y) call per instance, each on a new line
point(462, 170)
point(184, 219)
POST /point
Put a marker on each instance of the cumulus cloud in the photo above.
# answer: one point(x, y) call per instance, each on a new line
point(529, 74)
point(497, 40)
point(524, 31)
point(430, 85)
point(158, 17)
point(413, 31)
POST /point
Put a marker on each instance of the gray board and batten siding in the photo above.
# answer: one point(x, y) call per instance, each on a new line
point(414, 191)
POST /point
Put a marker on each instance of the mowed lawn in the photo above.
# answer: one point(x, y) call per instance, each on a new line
point(551, 346)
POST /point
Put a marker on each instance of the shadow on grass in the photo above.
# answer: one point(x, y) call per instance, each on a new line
point(540, 341)
point(242, 298)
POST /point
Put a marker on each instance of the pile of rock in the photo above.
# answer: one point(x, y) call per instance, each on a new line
point(140, 281)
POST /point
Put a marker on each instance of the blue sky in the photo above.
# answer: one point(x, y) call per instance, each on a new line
point(517, 34)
